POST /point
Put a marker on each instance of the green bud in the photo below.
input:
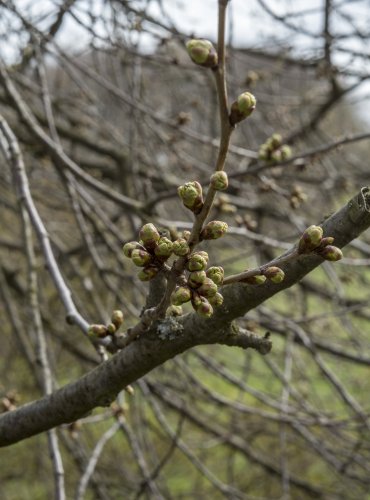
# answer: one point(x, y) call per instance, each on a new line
point(202, 52)
point(204, 309)
point(274, 142)
point(330, 253)
point(196, 278)
point(97, 331)
point(328, 240)
point(274, 274)
point(196, 262)
point(111, 327)
point(219, 180)
point(208, 288)
point(181, 295)
point(196, 299)
point(148, 273)
point(186, 235)
point(242, 108)
point(203, 254)
point(174, 311)
point(216, 274)
point(192, 196)
point(149, 236)
point(216, 300)
point(213, 230)
point(263, 153)
point(163, 250)
point(117, 318)
point(128, 248)
point(259, 279)
point(286, 152)
point(141, 258)
point(180, 247)
point(310, 239)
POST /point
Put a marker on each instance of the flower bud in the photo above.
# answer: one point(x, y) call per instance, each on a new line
point(216, 274)
point(141, 258)
point(196, 262)
point(196, 278)
point(203, 254)
point(186, 235)
point(174, 311)
point(285, 152)
point(216, 300)
point(204, 309)
point(328, 240)
point(219, 180)
point(196, 299)
point(128, 248)
point(117, 318)
point(213, 230)
point(310, 239)
point(180, 247)
point(163, 250)
point(330, 253)
point(192, 196)
point(149, 236)
point(274, 274)
point(242, 108)
point(148, 273)
point(208, 288)
point(259, 279)
point(202, 52)
point(111, 327)
point(181, 295)
point(97, 331)
point(274, 142)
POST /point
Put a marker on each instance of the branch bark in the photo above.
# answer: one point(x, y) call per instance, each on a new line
point(100, 386)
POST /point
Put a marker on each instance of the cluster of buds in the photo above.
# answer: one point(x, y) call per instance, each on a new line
point(96, 332)
point(192, 196)
point(201, 287)
point(202, 52)
point(312, 240)
point(272, 273)
point(242, 108)
point(274, 151)
point(297, 197)
point(213, 230)
point(150, 252)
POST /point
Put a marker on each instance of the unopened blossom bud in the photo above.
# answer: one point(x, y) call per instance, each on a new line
point(204, 309)
point(174, 311)
point(196, 278)
point(117, 318)
point(274, 141)
point(274, 274)
point(259, 279)
point(148, 273)
point(149, 236)
point(186, 235)
point(263, 152)
point(213, 230)
point(216, 300)
point(97, 331)
point(242, 108)
point(216, 274)
point(141, 258)
point(208, 288)
point(128, 248)
point(331, 253)
point(328, 240)
point(202, 52)
point(196, 262)
point(180, 247)
point(310, 239)
point(181, 295)
point(196, 299)
point(111, 327)
point(192, 196)
point(163, 250)
point(203, 254)
point(219, 180)
point(286, 152)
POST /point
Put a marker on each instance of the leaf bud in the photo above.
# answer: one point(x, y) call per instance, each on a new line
point(129, 247)
point(196, 278)
point(285, 152)
point(259, 279)
point(202, 52)
point(148, 273)
point(117, 318)
point(242, 108)
point(196, 262)
point(174, 311)
point(331, 253)
point(310, 239)
point(328, 240)
point(97, 331)
point(181, 295)
point(191, 195)
point(216, 300)
point(216, 274)
point(208, 288)
point(214, 230)
point(219, 180)
point(163, 250)
point(274, 274)
point(111, 327)
point(180, 247)
point(204, 309)
point(149, 236)
point(141, 258)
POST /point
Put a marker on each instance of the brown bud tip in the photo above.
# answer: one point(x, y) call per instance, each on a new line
point(330, 253)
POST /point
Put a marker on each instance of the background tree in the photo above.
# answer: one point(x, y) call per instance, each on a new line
point(96, 142)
